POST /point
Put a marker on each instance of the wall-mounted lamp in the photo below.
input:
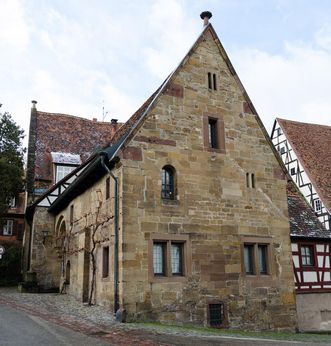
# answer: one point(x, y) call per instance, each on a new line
point(45, 235)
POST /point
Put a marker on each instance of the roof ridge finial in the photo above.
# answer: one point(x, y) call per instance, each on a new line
point(206, 15)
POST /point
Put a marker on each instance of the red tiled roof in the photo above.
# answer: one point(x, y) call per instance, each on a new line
point(303, 221)
point(67, 134)
point(312, 145)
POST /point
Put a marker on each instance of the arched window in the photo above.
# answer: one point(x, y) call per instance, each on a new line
point(168, 182)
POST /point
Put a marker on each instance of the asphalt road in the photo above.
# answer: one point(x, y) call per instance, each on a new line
point(17, 328)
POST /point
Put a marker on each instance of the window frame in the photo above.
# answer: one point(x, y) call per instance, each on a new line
point(71, 214)
point(224, 316)
point(212, 133)
point(105, 262)
point(5, 228)
point(255, 243)
point(311, 255)
point(107, 192)
point(212, 81)
point(318, 205)
point(12, 202)
point(168, 190)
point(57, 166)
point(219, 128)
point(185, 258)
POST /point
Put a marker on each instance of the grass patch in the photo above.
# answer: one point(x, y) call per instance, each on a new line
point(204, 331)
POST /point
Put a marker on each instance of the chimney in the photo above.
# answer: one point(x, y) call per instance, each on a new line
point(205, 15)
point(114, 121)
point(34, 104)
point(95, 119)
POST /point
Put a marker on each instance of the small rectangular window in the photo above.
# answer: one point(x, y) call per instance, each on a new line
point(107, 188)
point(214, 81)
point(307, 255)
point(12, 202)
point(216, 315)
point(249, 258)
point(159, 259)
point(8, 227)
point(263, 259)
point(250, 180)
point(71, 215)
point(318, 205)
point(282, 150)
point(105, 261)
point(292, 171)
point(177, 258)
point(209, 81)
point(212, 132)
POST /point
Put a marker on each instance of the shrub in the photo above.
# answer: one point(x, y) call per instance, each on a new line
point(10, 266)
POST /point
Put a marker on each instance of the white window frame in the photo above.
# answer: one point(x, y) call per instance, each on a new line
point(62, 171)
point(12, 202)
point(8, 227)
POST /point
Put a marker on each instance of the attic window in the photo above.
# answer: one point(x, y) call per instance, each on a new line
point(282, 150)
point(293, 171)
point(212, 81)
point(62, 171)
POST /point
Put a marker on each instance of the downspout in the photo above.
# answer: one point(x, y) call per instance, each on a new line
point(116, 269)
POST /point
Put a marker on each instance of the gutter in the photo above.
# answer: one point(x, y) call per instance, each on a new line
point(116, 268)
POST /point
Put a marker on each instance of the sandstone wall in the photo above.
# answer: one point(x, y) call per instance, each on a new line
point(44, 258)
point(214, 211)
point(92, 217)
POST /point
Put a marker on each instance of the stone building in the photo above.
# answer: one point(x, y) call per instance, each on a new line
point(183, 218)
point(58, 144)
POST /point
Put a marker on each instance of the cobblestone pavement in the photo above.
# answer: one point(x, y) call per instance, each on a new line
point(98, 321)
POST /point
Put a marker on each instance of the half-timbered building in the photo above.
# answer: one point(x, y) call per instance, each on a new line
point(311, 252)
point(305, 151)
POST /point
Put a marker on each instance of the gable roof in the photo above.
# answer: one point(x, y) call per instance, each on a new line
point(138, 117)
point(125, 133)
point(312, 145)
point(303, 221)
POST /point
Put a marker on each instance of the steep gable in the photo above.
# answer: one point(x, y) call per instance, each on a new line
point(173, 88)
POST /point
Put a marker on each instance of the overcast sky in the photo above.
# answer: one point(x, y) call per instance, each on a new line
point(78, 56)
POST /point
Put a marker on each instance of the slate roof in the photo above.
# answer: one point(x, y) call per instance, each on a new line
point(67, 134)
point(303, 221)
point(312, 145)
